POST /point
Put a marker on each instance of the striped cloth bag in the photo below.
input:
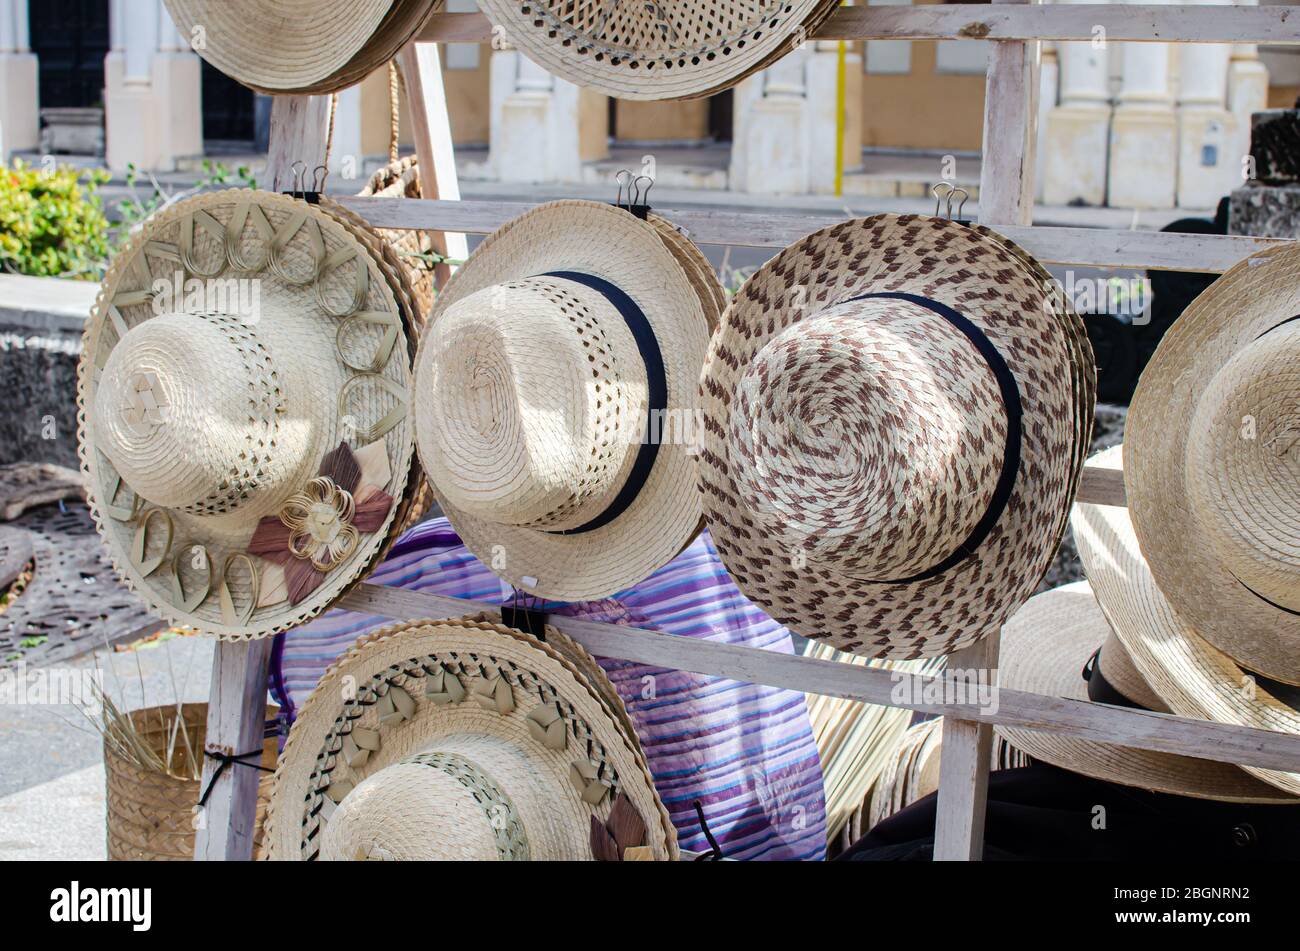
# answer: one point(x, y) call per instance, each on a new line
point(744, 752)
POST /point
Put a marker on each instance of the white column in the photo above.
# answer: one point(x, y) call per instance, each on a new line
point(152, 90)
point(346, 161)
point(773, 122)
point(534, 123)
point(1144, 132)
point(1077, 130)
point(1207, 132)
point(19, 87)
point(1049, 86)
point(1247, 94)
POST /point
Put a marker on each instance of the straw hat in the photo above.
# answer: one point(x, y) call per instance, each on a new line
point(242, 399)
point(1187, 672)
point(1212, 464)
point(893, 411)
point(1060, 645)
point(464, 739)
point(299, 46)
point(687, 50)
point(556, 400)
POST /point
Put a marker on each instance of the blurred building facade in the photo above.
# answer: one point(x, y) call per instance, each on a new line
point(1136, 125)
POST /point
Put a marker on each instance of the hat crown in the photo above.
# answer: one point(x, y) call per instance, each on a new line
point(188, 411)
point(1242, 471)
point(539, 399)
point(469, 797)
point(877, 434)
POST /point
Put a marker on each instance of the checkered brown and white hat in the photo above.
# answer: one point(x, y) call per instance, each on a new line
point(464, 739)
point(556, 398)
point(243, 393)
point(895, 414)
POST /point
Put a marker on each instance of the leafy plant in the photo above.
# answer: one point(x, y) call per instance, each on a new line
point(52, 223)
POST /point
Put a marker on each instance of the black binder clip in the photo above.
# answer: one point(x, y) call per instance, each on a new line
point(638, 191)
point(530, 619)
point(947, 190)
point(301, 181)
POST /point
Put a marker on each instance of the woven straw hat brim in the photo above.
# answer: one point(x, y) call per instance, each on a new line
point(279, 45)
point(300, 338)
point(1044, 648)
point(1188, 673)
point(623, 54)
point(713, 299)
point(1247, 302)
point(420, 497)
point(606, 242)
point(404, 23)
point(980, 278)
point(407, 655)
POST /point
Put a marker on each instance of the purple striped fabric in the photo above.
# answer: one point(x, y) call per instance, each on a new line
point(745, 752)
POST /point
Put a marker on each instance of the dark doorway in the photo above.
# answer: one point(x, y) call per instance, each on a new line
point(720, 110)
point(228, 112)
point(71, 39)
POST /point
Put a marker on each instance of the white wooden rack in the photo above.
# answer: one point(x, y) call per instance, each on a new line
point(298, 133)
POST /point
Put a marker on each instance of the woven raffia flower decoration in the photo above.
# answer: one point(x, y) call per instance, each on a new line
point(319, 528)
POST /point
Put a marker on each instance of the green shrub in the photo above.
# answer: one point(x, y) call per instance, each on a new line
point(52, 224)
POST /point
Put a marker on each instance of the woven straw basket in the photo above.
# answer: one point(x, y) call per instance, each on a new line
point(151, 815)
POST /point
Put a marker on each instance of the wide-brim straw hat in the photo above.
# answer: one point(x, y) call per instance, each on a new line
point(464, 739)
point(556, 403)
point(243, 427)
point(1060, 645)
point(682, 50)
point(1192, 676)
point(893, 413)
point(299, 46)
point(1212, 464)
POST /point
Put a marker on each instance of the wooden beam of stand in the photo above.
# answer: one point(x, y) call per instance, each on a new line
point(964, 763)
point(1096, 247)
point(1140, 729)
point(237, 698)
point(431, 128)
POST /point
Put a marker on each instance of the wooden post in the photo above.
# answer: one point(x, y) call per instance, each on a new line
point(237, 699)
point(431, 127)
point(964, 766)
point(1006, 198)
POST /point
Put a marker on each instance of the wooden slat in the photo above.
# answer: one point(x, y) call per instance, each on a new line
point(964, 762)
point(1122, 22)
point(1136, 728)
point(1102, 487)
point(431, 129)
point(237, 698)
point(1006, 198)
point(1095, 247)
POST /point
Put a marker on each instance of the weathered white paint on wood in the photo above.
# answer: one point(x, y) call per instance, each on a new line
point(1082, 246)
point(236, 718)
point(964, 764)
point(1128, 22)
point(237, 699)
point(431, 129)
point(1137, 728)
point(1102, 487)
